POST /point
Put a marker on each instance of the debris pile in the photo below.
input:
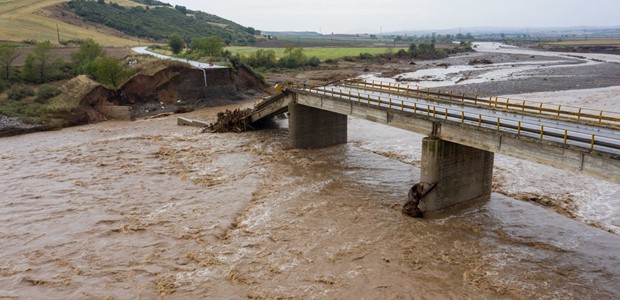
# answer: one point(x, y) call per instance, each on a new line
point(483, 61)
point(231, 121)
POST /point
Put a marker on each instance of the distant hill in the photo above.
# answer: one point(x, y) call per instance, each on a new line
point(160, 21)
point(25, 20)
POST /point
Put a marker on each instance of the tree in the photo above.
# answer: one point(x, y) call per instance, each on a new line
point(181, 9)
point(293, 58)
point(8, 53)
point(262, 58)
point(108, 70)
point(41, 65)
point(211, 46)
point(88, 52)
point(176, 43)
point(413, 50)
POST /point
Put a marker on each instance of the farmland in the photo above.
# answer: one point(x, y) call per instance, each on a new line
point(321, 52)
point(29, 20)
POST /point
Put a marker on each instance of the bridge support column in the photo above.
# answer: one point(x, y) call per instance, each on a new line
point(462, 173)
point(315, 128)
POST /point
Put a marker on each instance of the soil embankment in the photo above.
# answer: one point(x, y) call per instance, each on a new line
point(159, 87)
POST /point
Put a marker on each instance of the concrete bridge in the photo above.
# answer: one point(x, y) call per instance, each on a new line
point(463, 131)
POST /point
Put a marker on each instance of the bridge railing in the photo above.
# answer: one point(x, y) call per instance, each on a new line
point(595, 116)
point(518, 128)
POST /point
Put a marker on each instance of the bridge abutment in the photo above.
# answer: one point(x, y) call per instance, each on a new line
point(462, 173)
point(315, 128)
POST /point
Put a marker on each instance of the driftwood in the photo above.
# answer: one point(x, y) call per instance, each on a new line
point(416, 193)
point(231, 121)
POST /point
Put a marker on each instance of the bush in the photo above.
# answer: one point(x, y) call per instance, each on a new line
point(3, 85)
point(18, 92)
point(262, 58)
point(331, 61)
point(46, 92)
point(293, 58)
point(314, 61)
point(364, 56)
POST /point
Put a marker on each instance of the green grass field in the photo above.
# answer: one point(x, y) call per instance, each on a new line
point(321, 52)
point(26, 20)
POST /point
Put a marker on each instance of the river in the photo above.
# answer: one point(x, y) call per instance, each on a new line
point(148, 209)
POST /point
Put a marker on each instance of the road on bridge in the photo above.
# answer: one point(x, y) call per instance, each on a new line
point(574, 126)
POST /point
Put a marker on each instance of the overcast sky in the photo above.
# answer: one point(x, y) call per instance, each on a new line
point(363, 16)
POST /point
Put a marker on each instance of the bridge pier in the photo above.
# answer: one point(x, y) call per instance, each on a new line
point(462, 173)
point(315, 128)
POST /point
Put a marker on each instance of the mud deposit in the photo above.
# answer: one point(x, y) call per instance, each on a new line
point(147, 209)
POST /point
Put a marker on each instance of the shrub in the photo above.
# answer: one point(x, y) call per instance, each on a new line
point(331, 61)
point(46, 92)
point(364, 56)
point(3, 85)
point(18, 92)
point(314, 61)
point(262, 58)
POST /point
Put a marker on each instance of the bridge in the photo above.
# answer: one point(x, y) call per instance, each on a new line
point(463, 131)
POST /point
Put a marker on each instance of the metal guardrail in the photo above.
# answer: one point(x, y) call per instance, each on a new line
point(519, 128)
point(593, 116)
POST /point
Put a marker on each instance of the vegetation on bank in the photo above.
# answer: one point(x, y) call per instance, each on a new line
point(159, 22)
point(31, 90)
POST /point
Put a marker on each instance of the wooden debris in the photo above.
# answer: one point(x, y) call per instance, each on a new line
point(231, 121)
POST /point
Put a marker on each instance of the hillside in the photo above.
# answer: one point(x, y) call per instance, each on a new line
point(132, 22)
point(30, 20)
point(159, 22)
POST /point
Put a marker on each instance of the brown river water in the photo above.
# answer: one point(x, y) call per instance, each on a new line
point(148, 210)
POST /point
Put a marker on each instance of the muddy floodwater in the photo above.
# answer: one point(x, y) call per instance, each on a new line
point(147, 209)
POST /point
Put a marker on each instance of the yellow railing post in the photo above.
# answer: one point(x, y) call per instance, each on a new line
point(446, 114)
point(359, 98)
point(379, 100)
point(523, 106)
point(519, 129)
point(402, 105)
point(498, 123)
point(369, 95)
point(542, 131)
point(479, 120)
point(434, 111)
point(559, 109)
point(390, 103)
point(579, 114)
point(463, 117)
point(565, 136)
point(600, 117)
point(592, 143)
point(415, 107)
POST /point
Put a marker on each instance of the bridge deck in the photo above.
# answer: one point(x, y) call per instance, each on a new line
point(576, 139)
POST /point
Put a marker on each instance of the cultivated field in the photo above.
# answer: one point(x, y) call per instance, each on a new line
point(595, 42)
point(321, 52)
point(28, 20)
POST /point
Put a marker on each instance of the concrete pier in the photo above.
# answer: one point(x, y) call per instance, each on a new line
point(462, 173)
point(315, 128)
